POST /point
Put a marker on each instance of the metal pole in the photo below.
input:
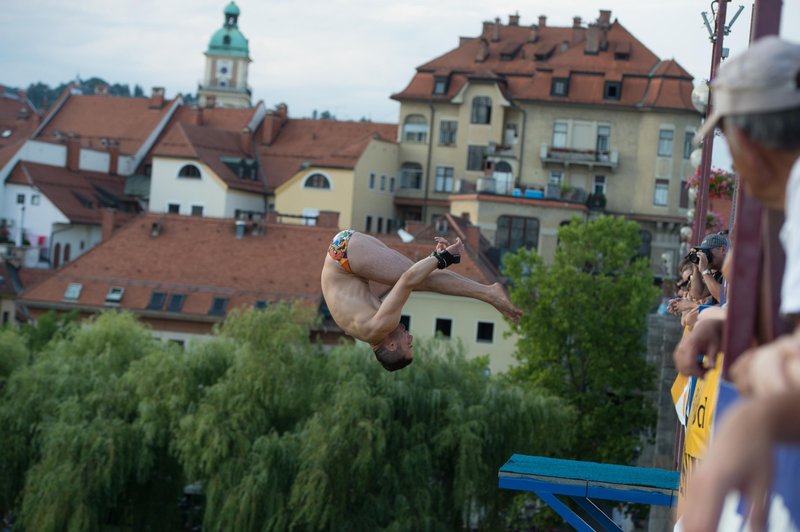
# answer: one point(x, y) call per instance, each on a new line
point(701, 207)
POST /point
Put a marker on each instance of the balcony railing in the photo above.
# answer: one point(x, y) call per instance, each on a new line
point(571, 156)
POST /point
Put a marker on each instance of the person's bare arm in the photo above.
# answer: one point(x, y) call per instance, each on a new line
point(387, 317)
point(741, 459)
point(705, 339)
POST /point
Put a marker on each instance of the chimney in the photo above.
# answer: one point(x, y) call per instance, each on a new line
point(487, 27)
point(496, 30)
point(272, 124)
point(578, 33)
point(328, 219)
point(107, 224)
point(473, 234)
point(592, 40)
point(73, 153)
point(246, 140)
point(513, 20)
point(157, 98)
point(113, 157)
point(534, 36)
point(211, 101)
point(22, 94)
point(542, 21)
point(101, 88)
point(605, 17)
point(483, 51)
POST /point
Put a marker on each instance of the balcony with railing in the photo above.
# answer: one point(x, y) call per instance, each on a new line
point(571, 156)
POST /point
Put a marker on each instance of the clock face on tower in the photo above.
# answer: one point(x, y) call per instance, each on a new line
point(224, 72)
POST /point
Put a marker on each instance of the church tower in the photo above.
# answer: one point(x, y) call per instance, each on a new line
point(227, 59)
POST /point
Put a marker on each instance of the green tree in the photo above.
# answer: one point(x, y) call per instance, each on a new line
point(582, 332)
point(105, 426)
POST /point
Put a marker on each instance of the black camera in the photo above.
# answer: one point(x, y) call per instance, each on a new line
point(694, 259)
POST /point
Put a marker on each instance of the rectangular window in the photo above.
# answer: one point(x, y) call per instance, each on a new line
point(73, 291)
point(218, 306)
point(560, 87)
point(661, 194)
point(372, 181)
point(440, 85)
point(665, 137)
point(560, 135)
point(603, 136)
point(6, 317)
point(391, 184)
point(383, 182)
point(20, 199)
point(485, 332)
point(405, 319)
point(197, 210)
point(475, 157)
point(444, 326)
point(447, 132)
point(444, 179)
point(599, 185)
point(35, 199)
point(612, 90)
point(516, 231)
point(684, 201)
point(173, 208)
point(157, 301)
point(114, 295)
point(389, 225)
point(175, 303)
point(380, 224)
point(411, 176)
point(368, 224)
point(687, 144)
point(260, 304)
point(554, 185)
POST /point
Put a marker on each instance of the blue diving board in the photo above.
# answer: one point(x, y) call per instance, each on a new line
point(582, 481)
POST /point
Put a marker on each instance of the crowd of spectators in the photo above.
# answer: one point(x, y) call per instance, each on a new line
point(756, 98)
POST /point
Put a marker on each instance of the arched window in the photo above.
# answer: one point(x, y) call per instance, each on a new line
point(189, 170)
point(415, 129)
point(481, 110)
point(502, 167)
point(317, 181)
point(57, 255)
point(515, 232)
point(411, 175)
point(226, 40)
point(67, 251)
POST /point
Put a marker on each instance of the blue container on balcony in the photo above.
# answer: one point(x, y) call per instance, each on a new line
point(517, 192)
point(534, 194)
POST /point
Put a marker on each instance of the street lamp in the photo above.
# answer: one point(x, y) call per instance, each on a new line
point(700, 97)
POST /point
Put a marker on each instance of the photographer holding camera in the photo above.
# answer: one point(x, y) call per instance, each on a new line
point(707, 260)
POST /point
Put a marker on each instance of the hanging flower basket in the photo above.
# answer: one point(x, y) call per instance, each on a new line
point(720, 183)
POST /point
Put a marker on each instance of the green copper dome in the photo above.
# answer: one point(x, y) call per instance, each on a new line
point(228, 40)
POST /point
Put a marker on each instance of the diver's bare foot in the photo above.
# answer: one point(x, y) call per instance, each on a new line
point(501, 302)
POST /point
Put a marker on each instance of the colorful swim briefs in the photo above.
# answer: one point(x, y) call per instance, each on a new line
point(338, 249)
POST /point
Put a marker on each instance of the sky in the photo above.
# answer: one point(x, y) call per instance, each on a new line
point(344, 56)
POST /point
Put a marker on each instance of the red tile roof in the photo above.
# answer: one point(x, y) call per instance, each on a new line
point(209, 145)
point(79, 195)
point(202, 258)
point(326, 143)
point(525, 68)
point(18, 119)
point(129, 121)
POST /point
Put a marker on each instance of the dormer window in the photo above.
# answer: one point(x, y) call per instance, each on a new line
point(218, 306)
point(560, 87)
point(612, 90)
point(440, 85)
